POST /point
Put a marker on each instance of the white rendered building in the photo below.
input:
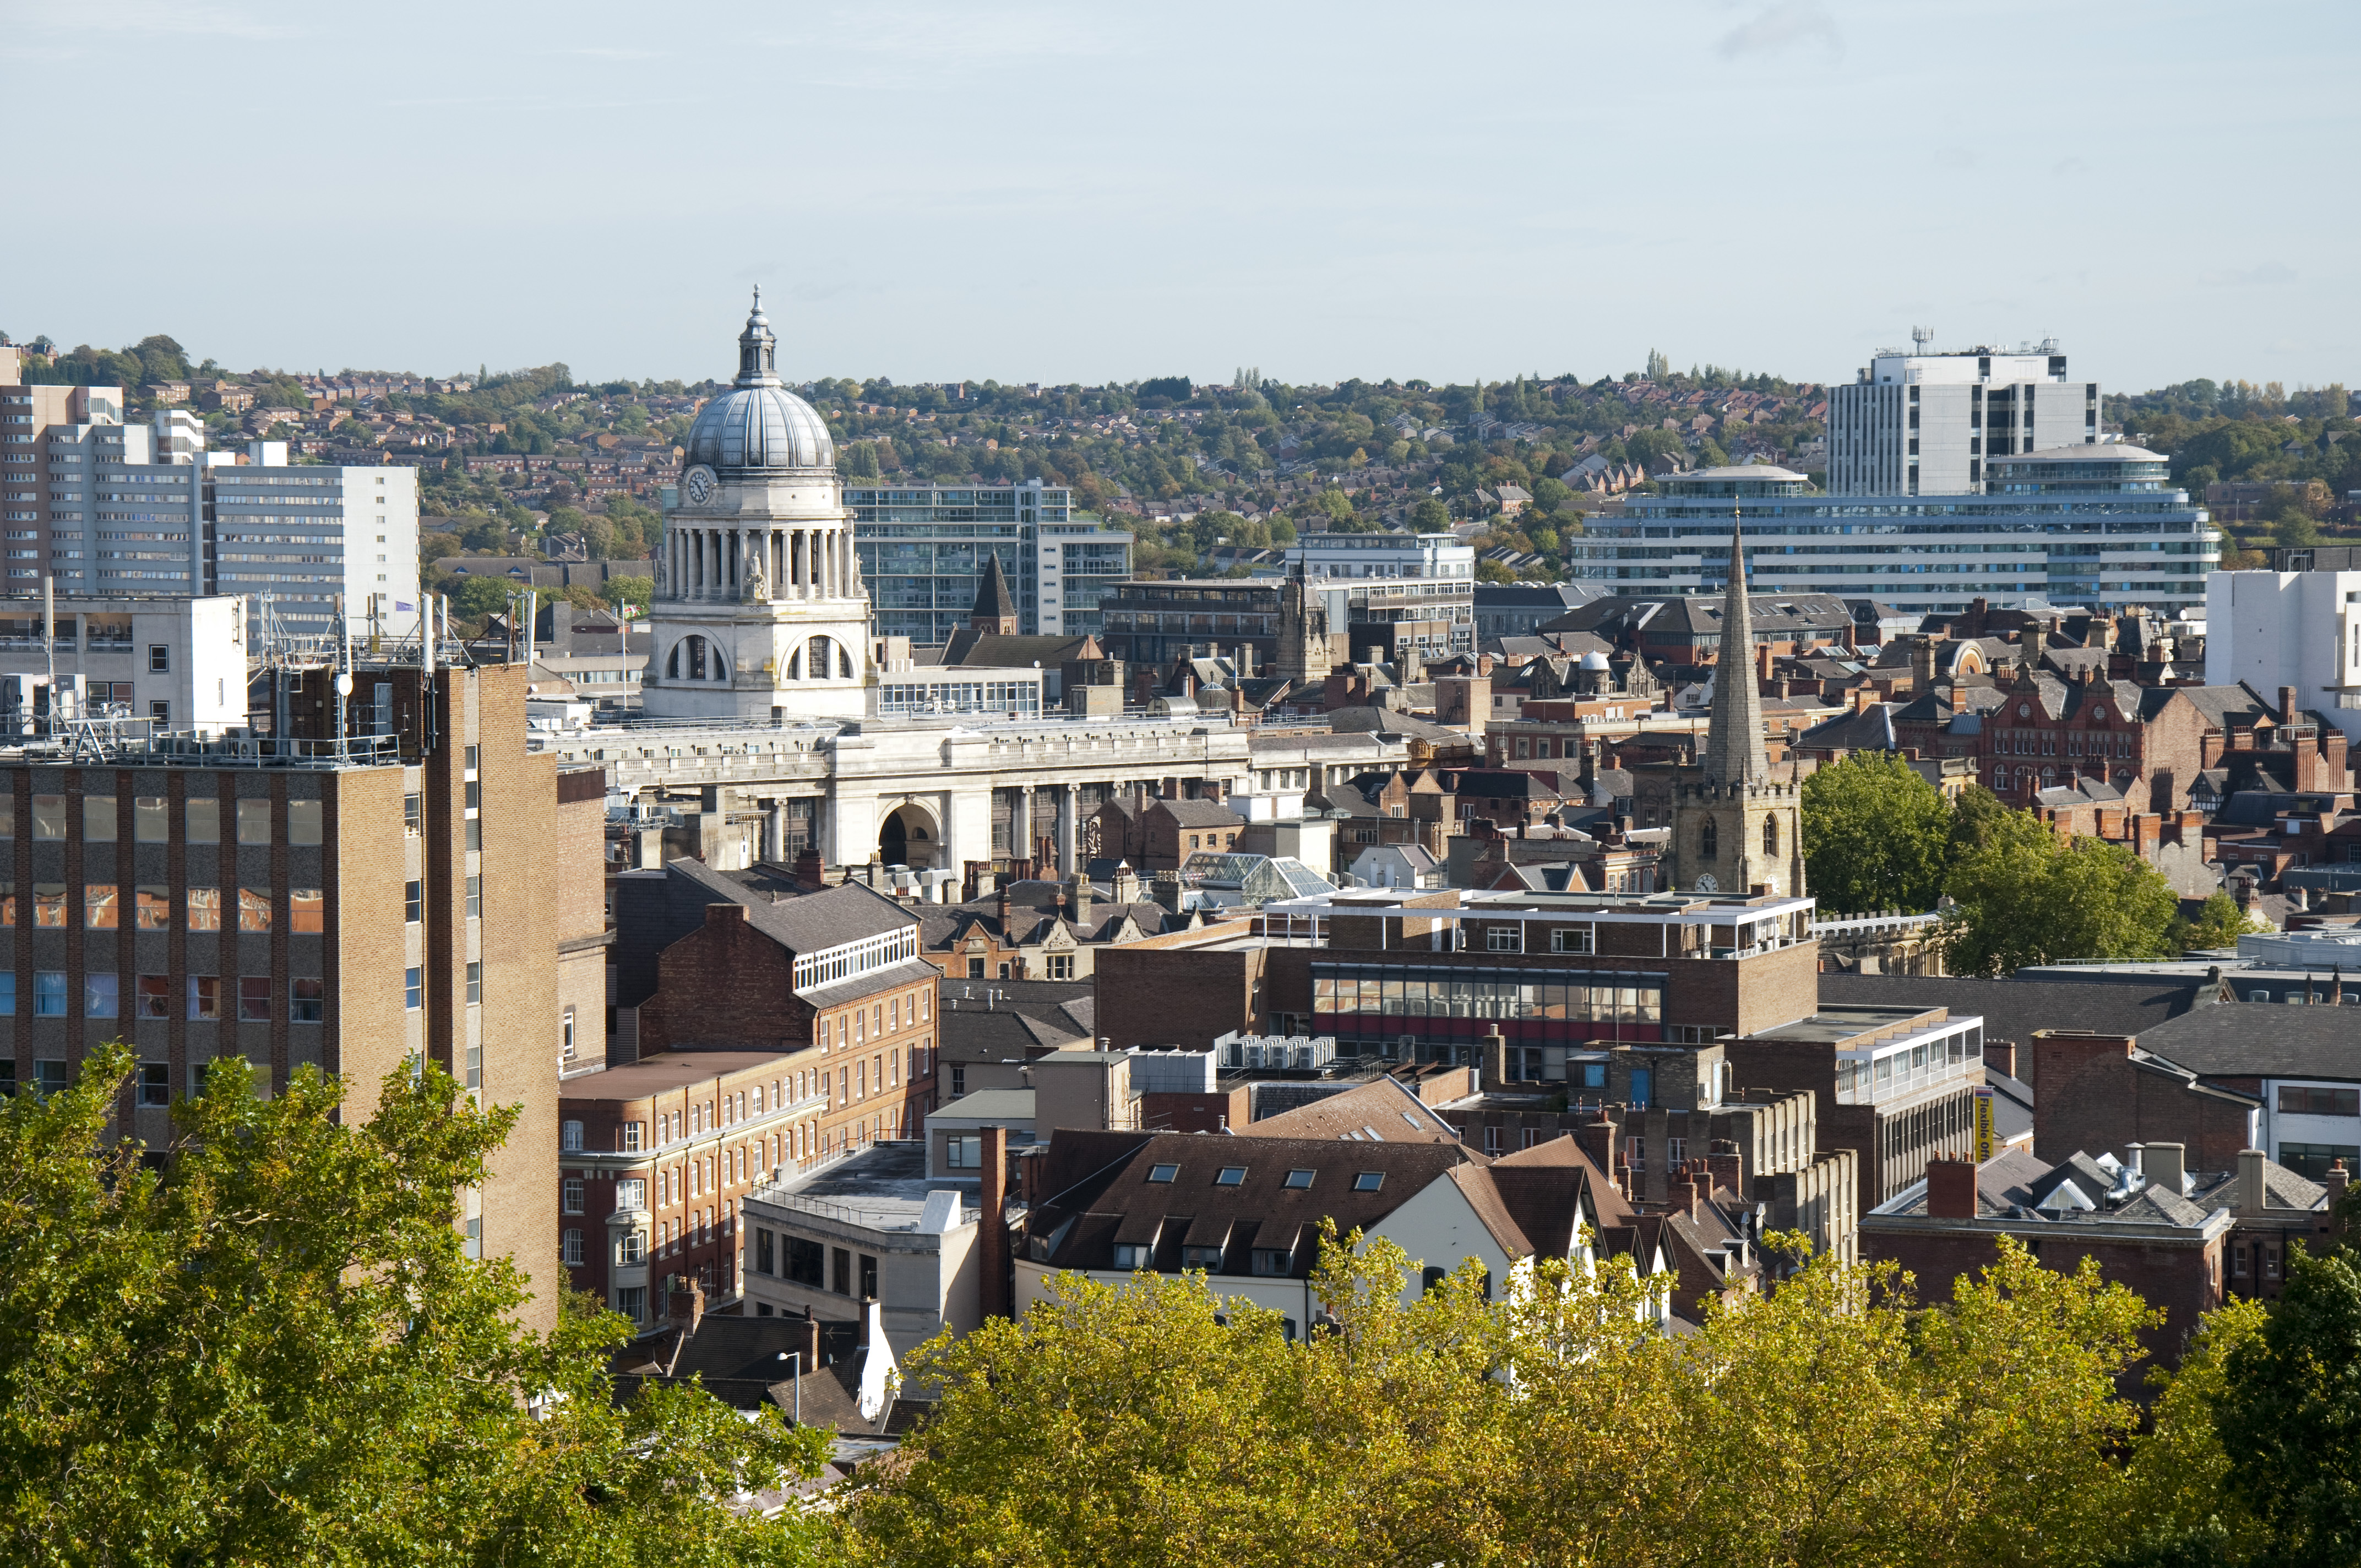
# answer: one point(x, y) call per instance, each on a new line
point(1392, 590)
point(2289, 629)
point(759, 613)
point(178, 661)
point(1928, 425)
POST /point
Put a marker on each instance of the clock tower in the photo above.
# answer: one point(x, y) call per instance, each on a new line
point(759, 613)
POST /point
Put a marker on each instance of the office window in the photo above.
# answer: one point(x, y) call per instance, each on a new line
point(805, 1262)
point(254, 999)
point(475, 982)
point(204, 909)
point(151, 819)
point(307, 911)
point(102, 996)
point(413, 901)
point(565, 1037)
point(49, 904)
point(48, 1077)
point(636, 1247)
point(963, 1153)
point(9, 998)
point(868, 1278)
point(764, 1254)
point(155, 998)
point(570, 1248)
point(155, 1083)
point(254, 822)
point(50, 994)
point(202, 817)
point(7, 904)
point(1503, 939)
point(100, 912)
point(631, 1131)
point(1565, 941)
point(98, 819)
point(49, 816)
point(631, 1192)
point(413, 989)
point(2311, 1161)
point(414, 815)
point(306, 1000)
point(160, 659)
point(632, 1302)
point(474, 832)
point(475, 758)
point(151, 909)
point(569, 1137)
point(204, 997)
point(2318, 1101)
point(1061, 966)
point(253, 909)
point(306, 821)
point(474, 897)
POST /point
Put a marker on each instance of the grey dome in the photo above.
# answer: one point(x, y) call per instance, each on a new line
point(1594, 660)
point(758, 426)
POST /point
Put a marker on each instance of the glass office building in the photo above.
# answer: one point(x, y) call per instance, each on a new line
point(923, 551)
point(2098, 524)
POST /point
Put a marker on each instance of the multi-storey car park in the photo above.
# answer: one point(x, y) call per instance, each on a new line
point(2100, 524)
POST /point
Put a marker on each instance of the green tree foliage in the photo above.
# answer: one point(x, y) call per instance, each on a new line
point(1837, 1422)
point(1876, 836)
point(2023, 897)
point(474, 597)
point(2219, 925)
point(1430, 516)
point(2289, 1415)
point(636, 592)
point(274, 1350)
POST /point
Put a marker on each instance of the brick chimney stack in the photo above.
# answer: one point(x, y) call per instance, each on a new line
point(2287, 705)
point(1951, 1189)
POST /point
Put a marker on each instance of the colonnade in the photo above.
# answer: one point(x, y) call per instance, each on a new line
point(703, 562)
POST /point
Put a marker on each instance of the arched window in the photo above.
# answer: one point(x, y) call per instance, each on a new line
point(1771, 836)
point(818, 662)
point(843, 663)
point(1708, 842)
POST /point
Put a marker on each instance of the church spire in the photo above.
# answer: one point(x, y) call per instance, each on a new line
point(1733, 742)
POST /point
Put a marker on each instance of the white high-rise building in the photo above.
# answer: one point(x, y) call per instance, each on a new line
point(1929, 423)
point(2289, 629)
point(759, 610)
point(107, 508)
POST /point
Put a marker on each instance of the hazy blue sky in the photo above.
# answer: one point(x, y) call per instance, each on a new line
point(1082, 193)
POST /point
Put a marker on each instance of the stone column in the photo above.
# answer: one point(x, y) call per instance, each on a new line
point(1069, 808)
point(1020, 826)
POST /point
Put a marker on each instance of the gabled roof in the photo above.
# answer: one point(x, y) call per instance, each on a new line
point(992, 600)
point(1380, 1111)
point(2242, 1040)
point(801, 922)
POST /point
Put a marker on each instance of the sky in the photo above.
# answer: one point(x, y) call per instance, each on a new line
point(1093, 193)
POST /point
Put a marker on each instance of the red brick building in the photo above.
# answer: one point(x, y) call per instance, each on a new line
point(791, 1025)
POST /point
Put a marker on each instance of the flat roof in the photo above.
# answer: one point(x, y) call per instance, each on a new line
point(883, 1186)
point(986, 1105)
point(669, 1069)
point(1831, 1026)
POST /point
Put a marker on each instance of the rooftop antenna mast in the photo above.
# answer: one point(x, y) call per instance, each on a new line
point(50, 640)
point(1921, 337)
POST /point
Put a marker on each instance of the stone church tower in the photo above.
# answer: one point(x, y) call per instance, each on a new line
point(1735, 828)
point(1308, 650)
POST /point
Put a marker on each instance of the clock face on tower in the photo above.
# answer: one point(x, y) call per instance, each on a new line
point(1705, 884)
point(697, 484)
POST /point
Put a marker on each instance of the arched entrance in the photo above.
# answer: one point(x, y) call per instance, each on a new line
point(908, 836)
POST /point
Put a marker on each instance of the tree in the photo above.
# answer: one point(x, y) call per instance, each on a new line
point(2022, 897)
point(1539, 1419)
point(2219, 925)
point(637, 593)
point(2290, 1412)
point(1430, 516)
point(274, 1349)
point(478, 596)
point(1876, 836)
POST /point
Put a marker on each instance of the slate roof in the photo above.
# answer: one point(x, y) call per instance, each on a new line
point(992, 600)
point(802, 922)
point(1871, 730)
point(1381, 1107)
point(2240, 1041)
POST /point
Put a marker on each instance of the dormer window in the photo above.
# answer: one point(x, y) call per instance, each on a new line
point(1269, 1261)
point(1132, 1256)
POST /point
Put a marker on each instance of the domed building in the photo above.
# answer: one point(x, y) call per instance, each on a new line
point(760, 612)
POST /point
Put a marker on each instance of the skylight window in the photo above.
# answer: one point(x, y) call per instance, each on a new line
point(1368, 1180)
point(1231, 1175)
point(1162, 1172)
point(1299, 1179)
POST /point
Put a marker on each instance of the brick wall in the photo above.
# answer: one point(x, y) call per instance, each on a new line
point(2089, 1095)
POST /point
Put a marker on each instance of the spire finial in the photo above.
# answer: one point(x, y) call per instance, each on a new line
point(758, 296)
